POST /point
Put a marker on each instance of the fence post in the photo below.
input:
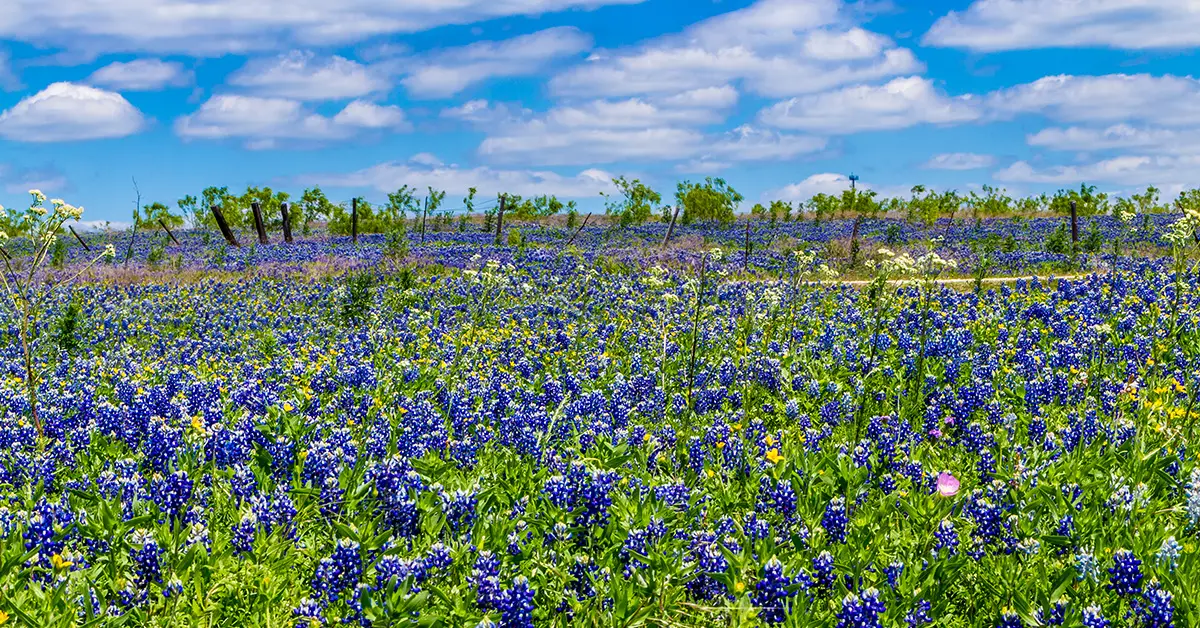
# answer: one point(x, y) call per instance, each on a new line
point(168, 230)
point(1074, 226)
point(577, 231)
point(354, 219)
point(224, 226)
point(500, 219)
point(256, 208)
point(287, 222)
point(424, 213)
point(671, 227)
point(85, 244)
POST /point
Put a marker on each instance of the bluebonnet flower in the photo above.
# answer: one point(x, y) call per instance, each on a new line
point(308, 614)
point(919, 615)
point(1086, 566)
point(516, 605)
point(1009, 619)
point(947, 538)
point(146, 556)
point(1125, 576)
point(835, 520)
point(1094, 618)
point(485, 577)
point(861, 612)
point(823, 569)
point(1157, 608)
point(1168, 554)
point(893, 572)
point(771, 593)
point(242, 539)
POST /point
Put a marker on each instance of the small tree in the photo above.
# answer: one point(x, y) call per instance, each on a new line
point(314, 206)
point(155, 212)
point(783, 209)
point(712, 200)
point(26, 285)
point(636, 205)
point(822, 206)
point(196, 215)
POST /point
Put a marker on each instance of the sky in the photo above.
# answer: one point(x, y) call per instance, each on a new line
point(781, 98)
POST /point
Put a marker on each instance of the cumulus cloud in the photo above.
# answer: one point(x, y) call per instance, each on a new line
point(992, 25)
point(141, 75)
point(1117, 137)
point(421, 171)
point(452, 70)
point(828, 183)
point(300, 75)
point(66, 112)
point(897, 104)
point(217, 27)
point(773, 48)
point(1134, 170)
point(959, 161)
point(1109, 98)
point(264, 121)
point(605, 131)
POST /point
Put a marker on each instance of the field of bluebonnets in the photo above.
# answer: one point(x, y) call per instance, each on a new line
point(444, 427)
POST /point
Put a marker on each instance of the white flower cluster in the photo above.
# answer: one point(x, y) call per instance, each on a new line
point(1184, 229)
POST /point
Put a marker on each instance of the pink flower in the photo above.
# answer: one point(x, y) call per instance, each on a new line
point(947, 485)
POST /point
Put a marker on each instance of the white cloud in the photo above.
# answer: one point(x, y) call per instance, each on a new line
point(829, 183)
point(366, 115)
point(1168, 100)
point(991, 25)
point(450, 71)
point(900, 103)
point(1162, 170)
point(821, 183)
point(263, 121)
point(300, 75)
point(420, 173)
point(68, 112)
point(84, 226)
point(959, 161)
point(537, 142)
point(773, 47)
point(605, 131)
point(217, 27)
point(141, 75)
point(1117, 137)
point(852, 45)
point(484, 114)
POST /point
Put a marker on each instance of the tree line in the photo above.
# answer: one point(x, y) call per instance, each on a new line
point(632, 203)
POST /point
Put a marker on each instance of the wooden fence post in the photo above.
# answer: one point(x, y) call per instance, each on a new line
point(354, 219)
point(85, 244)
point(224, 226)
point(287, 222)
point(577, 231)
point(671, 227)
point(424, 213)
point(256, 208)
point(1074, 226)
point(500, 219)
point(168, 230)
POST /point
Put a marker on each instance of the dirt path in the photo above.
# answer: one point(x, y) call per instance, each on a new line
point(951, 280)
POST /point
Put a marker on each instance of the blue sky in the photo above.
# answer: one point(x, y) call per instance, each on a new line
point(782, 98)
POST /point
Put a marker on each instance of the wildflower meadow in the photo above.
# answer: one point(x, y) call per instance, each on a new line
point(867, 418)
